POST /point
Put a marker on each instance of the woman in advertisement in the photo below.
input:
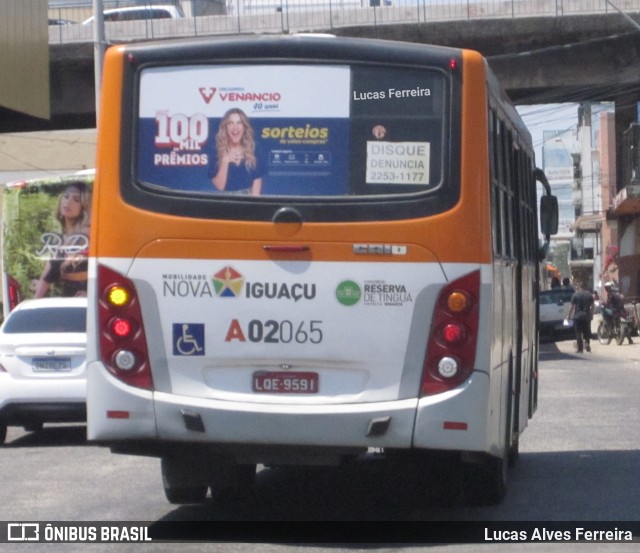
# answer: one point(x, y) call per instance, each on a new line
point(235, 167)
point(67, 266)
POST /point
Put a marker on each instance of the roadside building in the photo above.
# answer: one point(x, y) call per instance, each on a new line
point(626, 207)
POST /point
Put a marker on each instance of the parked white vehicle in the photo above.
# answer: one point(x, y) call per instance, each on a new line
point(554, 309)
point(136, 13)
point(43, 363)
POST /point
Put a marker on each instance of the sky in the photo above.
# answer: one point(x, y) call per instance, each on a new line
point(548, 117)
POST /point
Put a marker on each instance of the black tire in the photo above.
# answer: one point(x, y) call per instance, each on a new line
point(514, 453)
point(604, 334)
point(426, 478)
point(245, 476)
point(3, 433)
point(486, 483)
point(34, 427)
point(177, 488)
point(186, 495)
point(237, 483)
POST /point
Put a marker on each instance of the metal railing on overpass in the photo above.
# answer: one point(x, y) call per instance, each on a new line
point(211, 17)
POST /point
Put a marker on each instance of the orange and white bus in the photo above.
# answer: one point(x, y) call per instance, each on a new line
point(304, 248)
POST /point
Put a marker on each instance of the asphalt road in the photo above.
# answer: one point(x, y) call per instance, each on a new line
point(579, 461)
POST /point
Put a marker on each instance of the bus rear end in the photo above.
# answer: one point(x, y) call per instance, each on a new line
point(290, 262)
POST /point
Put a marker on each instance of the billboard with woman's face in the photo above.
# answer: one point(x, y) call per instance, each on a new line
point(45, 238)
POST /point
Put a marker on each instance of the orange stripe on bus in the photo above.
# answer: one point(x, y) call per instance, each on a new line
point(461, 234)
point(322, 251)
point(126, 232)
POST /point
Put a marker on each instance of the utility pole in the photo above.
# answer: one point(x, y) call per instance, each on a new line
point(98, 49)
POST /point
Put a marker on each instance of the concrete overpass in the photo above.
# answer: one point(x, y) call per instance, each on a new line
point(537, 59)
point(543, 59)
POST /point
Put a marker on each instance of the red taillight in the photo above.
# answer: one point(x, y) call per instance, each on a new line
point(123, 347)
point(13, 287)
point(453, 333)
point(121, 327)
point(451, 348)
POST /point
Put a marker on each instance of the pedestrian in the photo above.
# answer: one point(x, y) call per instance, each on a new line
point(581, 311)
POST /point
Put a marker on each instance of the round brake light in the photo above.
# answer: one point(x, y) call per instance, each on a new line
point(453, 333)
point(121, 327)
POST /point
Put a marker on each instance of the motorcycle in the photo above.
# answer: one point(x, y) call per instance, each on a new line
point(613, 326)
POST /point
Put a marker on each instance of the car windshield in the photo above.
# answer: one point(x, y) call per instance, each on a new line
point(556, 296)
point(49, 319)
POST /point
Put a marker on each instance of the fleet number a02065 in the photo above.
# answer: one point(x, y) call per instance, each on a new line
point(275, 332)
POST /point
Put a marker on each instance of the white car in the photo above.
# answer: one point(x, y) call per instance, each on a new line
point(43, 364)
point(136, 13)
point(554, 309)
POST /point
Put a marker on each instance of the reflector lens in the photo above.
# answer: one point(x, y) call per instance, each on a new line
point(118, 296)
point(125, 360)
point(447, 367)
point(453, 425)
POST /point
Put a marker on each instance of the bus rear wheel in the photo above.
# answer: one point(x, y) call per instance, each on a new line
point(235, 482)
point(178, 488)
point(485, 483)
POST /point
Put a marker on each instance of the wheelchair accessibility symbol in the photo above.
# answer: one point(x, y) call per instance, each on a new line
point(188, 339)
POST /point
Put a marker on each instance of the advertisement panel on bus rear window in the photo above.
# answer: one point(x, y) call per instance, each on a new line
point(290, 130)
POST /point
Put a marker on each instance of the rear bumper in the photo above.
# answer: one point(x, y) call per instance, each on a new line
point(46, 400)
point(387, 424)
point(555, 328)
point(120, 415)
point(20, 414)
